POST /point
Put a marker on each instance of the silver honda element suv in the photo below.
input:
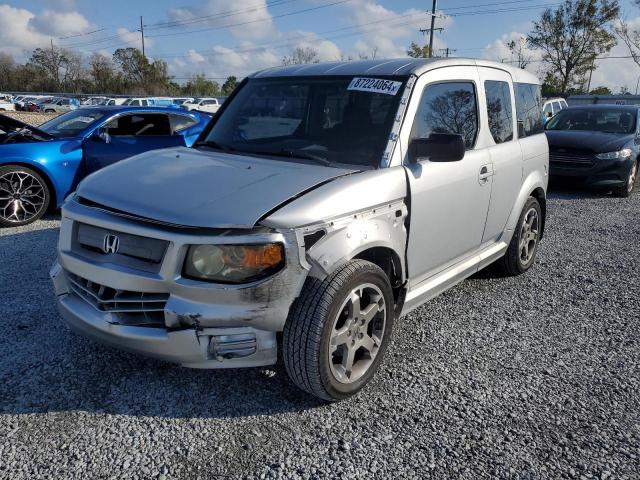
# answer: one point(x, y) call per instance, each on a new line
point(320, 204)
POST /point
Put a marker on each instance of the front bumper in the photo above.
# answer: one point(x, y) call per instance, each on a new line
point(599, 174)
point(192, 323)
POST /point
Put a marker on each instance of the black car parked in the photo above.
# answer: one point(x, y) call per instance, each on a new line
point(596, 146)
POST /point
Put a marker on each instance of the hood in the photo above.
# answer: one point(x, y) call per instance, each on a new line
point(596, 142)
point(11, 124)
point(205, 189)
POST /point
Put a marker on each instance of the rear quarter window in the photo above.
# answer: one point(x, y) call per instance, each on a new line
point(528, 109)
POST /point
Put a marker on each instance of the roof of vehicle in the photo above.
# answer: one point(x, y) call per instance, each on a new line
point(400, 67)
point(603, 106)
point(109, 109)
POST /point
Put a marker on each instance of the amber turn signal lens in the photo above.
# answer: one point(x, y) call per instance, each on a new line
point(258, 256)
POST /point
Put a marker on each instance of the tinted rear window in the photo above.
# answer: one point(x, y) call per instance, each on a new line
point(528, 109)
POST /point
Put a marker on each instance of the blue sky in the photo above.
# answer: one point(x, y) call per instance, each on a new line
point(223, 37)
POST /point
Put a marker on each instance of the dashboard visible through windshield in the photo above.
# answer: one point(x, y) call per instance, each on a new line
point(72, 123)
point(335, 120)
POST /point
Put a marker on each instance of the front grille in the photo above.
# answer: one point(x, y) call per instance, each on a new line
point(132, 251)
point(128, 308)
point(571, 159)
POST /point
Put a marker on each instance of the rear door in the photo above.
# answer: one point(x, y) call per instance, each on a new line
point(129, 135)
point(504, 149)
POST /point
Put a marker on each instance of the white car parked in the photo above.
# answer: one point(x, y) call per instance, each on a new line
point(209, 105)
point(552, 106)
point(6, 105)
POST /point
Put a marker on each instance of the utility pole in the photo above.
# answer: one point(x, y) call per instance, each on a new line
point(433, 24)
point(142, 35)
point(447, 51)
point(432, 29)
point(593, 66)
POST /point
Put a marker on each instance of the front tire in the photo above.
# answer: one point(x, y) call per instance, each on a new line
point(524, 244)
point(338, 330)
point(24, 196)
point(627, 189)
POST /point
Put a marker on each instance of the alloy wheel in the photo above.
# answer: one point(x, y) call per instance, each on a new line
point(22, 197)
point(529, 235)
point(357, 333)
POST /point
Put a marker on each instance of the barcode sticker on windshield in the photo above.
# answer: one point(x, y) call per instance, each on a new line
point(375, 85)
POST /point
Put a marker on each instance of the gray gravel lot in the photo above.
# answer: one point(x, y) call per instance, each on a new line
point(530, 378)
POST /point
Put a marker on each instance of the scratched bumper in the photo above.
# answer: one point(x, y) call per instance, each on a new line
point(201, 323)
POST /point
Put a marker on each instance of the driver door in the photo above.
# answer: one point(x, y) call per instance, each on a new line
point(128, 135)
point(449, 199)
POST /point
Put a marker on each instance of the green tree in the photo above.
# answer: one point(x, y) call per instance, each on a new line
point(199, 86)
point(416, 51)
point(572, 36)
point(601, 91)
point(141, 76)
point(229, 85)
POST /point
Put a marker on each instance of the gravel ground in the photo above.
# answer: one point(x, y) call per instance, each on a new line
point(31, 118)
point(529, 378)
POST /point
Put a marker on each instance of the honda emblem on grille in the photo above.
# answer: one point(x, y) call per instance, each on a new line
point(110, 244)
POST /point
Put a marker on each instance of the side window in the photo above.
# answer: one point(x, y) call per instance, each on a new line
point(528, 108)
point(135, 103)
point(146, 124)
point(547, 108)
point(180, 122)
point(500, 110)
point(448, 108)
point(556, 107)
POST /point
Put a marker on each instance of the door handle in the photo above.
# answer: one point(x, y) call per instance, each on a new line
point(485, 174)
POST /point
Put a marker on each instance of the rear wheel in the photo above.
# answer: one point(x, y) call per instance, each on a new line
point(628, 187)
point(24, 196)
point(338, 330)
point(524, 244)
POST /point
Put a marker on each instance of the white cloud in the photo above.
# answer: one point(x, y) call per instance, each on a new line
point(21, 30)
point(387, 32)
point(133, 38)
point(499, 51)
point(255, 19)
point(54, 23)
point(16, 34)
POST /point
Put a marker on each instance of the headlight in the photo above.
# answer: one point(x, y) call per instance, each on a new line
point(233, 263)
point(624, 153)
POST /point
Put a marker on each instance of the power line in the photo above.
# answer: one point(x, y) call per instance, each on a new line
point(206, 18)
point(282, 15)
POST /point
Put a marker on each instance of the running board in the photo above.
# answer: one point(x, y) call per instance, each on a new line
point(434, 286)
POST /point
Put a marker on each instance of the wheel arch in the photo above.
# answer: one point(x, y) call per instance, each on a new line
point(53, 195)
point(540, 195)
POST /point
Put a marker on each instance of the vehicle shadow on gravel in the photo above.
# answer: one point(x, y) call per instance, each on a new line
point(47, 368)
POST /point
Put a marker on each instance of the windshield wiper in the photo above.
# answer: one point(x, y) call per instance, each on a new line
point(216, 145)
point(303, 154)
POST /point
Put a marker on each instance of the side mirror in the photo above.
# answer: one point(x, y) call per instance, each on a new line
point(438, 147)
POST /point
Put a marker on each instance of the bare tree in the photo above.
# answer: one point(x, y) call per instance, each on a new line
point(629, 36)
point(519, 54)
point(7, 67)
point(302, 55)
point(59, 64)
point(573, 35)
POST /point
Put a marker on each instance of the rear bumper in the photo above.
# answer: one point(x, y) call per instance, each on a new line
point(603, 174)
point(190, 347)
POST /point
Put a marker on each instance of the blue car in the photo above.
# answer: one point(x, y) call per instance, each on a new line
point(40, 166)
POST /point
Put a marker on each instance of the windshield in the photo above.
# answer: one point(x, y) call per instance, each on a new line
point(596, 120)
point(328, 120)
point(72, 123)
